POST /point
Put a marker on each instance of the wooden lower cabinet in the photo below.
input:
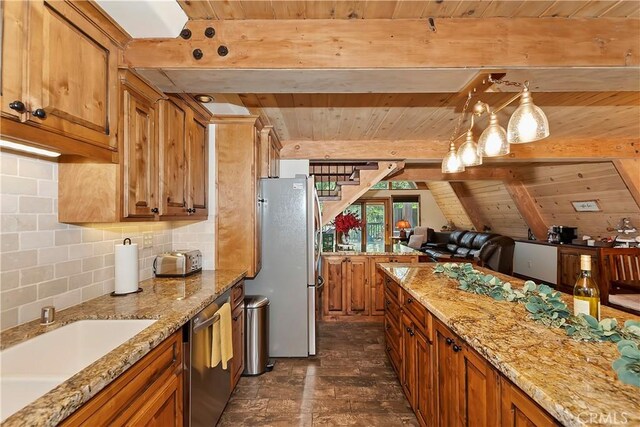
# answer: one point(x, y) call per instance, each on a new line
point(569, 266)
point(354, 287)
point(446, 382)
point(237, 332)
point(149, 393)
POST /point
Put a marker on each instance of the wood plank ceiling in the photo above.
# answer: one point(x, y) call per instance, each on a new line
point(406, 9)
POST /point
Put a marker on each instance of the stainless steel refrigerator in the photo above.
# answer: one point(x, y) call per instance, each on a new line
point(291, 233)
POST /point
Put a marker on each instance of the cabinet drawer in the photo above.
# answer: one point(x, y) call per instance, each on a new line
point(416, 310)
point(392, 333)
point(391, 308)
point(394, 358)
point(237, 294)
point(392, 288)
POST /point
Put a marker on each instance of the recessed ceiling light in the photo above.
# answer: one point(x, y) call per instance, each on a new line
point(27, 149)
point(204, 98)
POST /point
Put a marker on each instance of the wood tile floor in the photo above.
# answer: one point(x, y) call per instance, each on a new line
point(349, 383)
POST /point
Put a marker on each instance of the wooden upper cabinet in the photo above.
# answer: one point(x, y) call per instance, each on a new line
point(59, 78)
point(238, 219)
point(269, 153)
point(139, 143)
point(173, 154)
point(198, 161)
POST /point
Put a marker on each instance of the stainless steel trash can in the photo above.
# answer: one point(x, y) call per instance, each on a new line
point(256, 353)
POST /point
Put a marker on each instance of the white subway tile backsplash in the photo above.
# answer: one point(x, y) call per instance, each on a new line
point(68, 237)
point(29, 204)
point(17, 185)
point(69, 268)
point(36, 239)
point(9, 280)
point(29, 276)
point(17, 297)
point(44, 262)
point(33, 168)
point(53, 287)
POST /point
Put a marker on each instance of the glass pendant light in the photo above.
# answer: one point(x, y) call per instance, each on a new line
point(528, 123)
point(451, 162)
point(468, 152)
point(493, 141)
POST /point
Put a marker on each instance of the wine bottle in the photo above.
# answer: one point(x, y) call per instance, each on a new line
point(586, 295)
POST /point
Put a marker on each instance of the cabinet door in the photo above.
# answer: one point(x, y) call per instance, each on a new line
point(258, 207)
point(478, 388)
point(274, 159)
point(408, 371)
point(164, 408)
point(237, 362)
point(198, 165)
point(139, 161)
point(445, 377)
point(423, 388)
point(357, 285)
point(72, 74)
point(518, 410)
point(14, 18)
point(333, 272)
point(173, 177)
point(377, 286)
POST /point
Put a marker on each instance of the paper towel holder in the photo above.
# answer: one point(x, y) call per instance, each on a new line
point(137, 291)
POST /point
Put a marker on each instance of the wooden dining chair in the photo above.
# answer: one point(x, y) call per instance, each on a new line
point(619, 274)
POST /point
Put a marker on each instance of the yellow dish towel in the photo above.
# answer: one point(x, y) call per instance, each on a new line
point(221, 338)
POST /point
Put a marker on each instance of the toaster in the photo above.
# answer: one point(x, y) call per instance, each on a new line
point(178, 263)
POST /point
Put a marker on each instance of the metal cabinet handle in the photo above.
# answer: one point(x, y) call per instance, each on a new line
point(39, 113)
point(18, 106)
point(449, 341)
point(409, 300)
point(456, 348)
point(388, 303)
point(155, 210)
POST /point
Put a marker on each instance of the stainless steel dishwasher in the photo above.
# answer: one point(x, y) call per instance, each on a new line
point(208, 389)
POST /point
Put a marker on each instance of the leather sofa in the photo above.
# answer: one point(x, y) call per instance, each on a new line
point(490, 250)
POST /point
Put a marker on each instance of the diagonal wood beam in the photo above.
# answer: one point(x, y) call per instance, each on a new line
point(527, 207)
point(549, 149)
point(629, 170)
point(395, 43)
point(468, 204)
point(351, 193)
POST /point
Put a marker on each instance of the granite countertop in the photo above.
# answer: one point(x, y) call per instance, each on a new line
point(171, 301)
point(569, 379)
point(387, 250)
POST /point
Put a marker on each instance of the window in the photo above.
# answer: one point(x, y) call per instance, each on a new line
point(406, 207)
point(373, 234)
point(403, 185)
point(382, 185)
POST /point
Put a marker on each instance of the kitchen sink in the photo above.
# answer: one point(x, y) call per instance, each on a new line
point(34, 367)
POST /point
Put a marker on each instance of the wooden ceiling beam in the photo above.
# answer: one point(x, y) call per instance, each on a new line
point(434, 173)
point(468, 204)
point(629, 171)
point(428, 150)
point(395, 44)
point(527, 207)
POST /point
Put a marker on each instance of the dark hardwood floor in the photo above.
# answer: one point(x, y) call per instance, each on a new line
point(349, 383)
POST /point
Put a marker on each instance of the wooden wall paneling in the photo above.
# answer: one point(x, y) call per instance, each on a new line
point(527, 207)
point(629, 170)
point(554, 187)
point(449, 204)
point(468, 204)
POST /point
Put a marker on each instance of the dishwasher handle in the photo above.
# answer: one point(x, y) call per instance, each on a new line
point(197, 326)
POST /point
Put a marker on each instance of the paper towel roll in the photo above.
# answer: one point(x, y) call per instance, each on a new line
point(126, 260)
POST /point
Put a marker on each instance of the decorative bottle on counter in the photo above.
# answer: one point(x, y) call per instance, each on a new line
point(586, 295)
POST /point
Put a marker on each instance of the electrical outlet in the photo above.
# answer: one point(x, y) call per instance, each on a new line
point(147, 240)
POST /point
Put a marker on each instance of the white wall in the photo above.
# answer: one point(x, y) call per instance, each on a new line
point(291, 168)
point(536, 261)
point(201, 235)
point(44, 262)
point(430, 213)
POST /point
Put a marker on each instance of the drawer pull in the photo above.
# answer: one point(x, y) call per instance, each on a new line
point(456, 348)
point(449, 341)
point(409, 300)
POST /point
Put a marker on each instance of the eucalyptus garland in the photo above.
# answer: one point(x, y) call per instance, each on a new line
point(545, 306)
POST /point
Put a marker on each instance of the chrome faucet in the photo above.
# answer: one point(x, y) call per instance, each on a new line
point(48, 315)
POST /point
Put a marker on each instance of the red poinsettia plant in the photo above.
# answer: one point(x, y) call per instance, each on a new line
point(347, 222)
